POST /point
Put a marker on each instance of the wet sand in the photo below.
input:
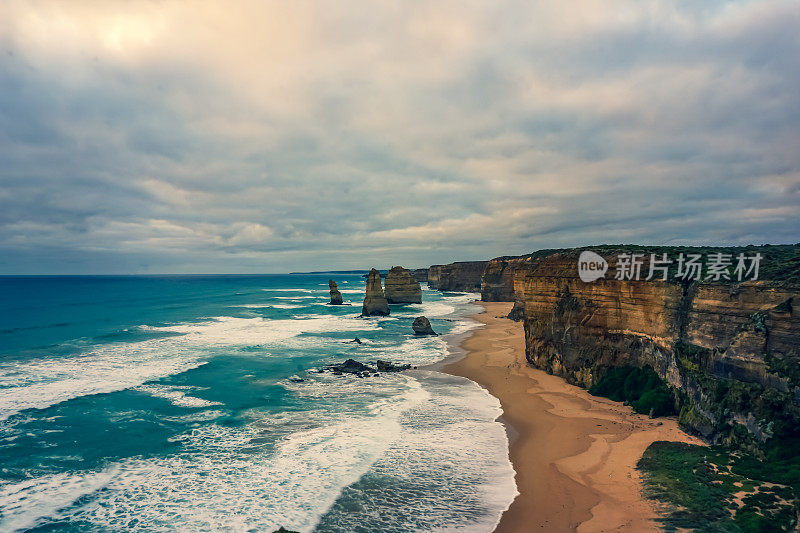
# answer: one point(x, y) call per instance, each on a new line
point(574, 454)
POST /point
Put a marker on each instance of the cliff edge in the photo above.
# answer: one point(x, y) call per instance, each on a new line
point(729, 351)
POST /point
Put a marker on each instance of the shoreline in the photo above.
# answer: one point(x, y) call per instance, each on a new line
point(574, 454)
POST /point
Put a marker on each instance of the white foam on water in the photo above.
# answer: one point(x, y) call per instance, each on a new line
point(462, 326)
point(227, 478)
point(176, 395)
point(447, 471)
point(232, 478)
point(26, 504)
point(465, 297)
point(41, 383)
point(288, 290)
point(431, 309)
point(414, 350)
point(227, 331)
point(297, 297)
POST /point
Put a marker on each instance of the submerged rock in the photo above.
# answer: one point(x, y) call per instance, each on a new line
point(375, 303)
point(356, 368)
point(402, 287)
point(422, 326)
point(351, 366)
point(386, 366)
point(336, 296)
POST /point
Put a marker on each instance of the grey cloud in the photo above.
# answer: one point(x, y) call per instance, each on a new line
point(679, 128)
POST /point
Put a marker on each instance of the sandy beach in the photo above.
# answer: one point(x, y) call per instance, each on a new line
point(574, 454)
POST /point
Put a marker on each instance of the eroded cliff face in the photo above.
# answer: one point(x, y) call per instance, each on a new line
point(463, 276)
point(497, 282)
point(401, 287)
point(731, 351)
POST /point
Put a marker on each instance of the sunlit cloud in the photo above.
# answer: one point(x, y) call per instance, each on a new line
point(276, 136)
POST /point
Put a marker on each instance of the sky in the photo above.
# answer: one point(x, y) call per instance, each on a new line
point(267, 137)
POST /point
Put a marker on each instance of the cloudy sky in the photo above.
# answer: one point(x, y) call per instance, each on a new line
point(154, 137)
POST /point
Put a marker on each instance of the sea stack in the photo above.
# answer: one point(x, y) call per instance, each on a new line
point(422, 326)
point(374, 301)
point(402, 287)
point(336, 296)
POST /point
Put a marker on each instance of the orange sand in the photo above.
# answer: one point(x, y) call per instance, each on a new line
point(574, 454)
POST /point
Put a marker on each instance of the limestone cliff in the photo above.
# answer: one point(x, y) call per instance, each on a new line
point(420, 274)
point(730, 351)
point(374, 300)
point(336, 296)
point(462, 276)
point(402, 287)
point(497, 282)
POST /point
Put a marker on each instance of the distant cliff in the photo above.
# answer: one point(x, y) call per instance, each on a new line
point(730, 351)
point(463, 276)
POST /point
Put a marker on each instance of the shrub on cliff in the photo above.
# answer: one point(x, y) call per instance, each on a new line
point(708, 488)
point(641, 387)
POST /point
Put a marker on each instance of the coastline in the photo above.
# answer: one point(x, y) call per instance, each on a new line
point(574, 454)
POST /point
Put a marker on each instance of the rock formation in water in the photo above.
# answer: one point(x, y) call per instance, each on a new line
point(422, 326)
point(357, 368)
point(387, 366)
point(375, 303)
point(463, 276)
point(729, 351)
point(401, 287)
point(336, 296)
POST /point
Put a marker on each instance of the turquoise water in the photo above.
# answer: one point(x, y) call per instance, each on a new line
point(171, 403)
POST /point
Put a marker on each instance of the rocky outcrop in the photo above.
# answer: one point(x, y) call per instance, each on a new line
point(729, 351)
point(401, 287)
point(336, 296)
point(362, 370)
point(375, 303)
point(422, 326)
point(387, 366)
point(463, 276)
point(420, 274)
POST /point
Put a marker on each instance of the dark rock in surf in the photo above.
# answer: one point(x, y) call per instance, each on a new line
point(386, 366)
point(422, 326)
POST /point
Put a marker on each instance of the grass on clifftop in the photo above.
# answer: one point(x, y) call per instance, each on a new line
point(710, 489)
point(640, 387)
point(779, 263)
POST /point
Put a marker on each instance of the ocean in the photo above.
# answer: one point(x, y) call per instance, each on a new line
point(191, 403)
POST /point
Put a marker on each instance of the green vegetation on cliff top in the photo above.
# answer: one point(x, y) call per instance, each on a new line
point(780, 262)
point(710, 489)
point(753, 487)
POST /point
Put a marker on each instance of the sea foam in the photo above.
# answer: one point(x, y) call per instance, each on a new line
point(41, 383)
